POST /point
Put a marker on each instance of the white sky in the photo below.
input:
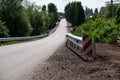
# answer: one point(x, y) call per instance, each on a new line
point(62, 3)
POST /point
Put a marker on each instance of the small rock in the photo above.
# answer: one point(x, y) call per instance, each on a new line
point(47, 68)
point(61, 77)
point(108, 76)
point(105, 69)
point(63, 68)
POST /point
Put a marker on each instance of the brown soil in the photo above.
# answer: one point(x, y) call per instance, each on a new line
point(65, 65)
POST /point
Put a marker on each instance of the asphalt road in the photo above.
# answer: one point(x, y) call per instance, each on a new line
point(16, 61)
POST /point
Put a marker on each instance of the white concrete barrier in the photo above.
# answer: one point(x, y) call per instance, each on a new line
point(81, 44)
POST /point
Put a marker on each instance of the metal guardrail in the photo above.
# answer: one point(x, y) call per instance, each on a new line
point(75, 39)
point(22, 38)
point(81, 44)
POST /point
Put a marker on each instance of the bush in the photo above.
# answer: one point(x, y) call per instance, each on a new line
point(101, 30)
point(3, 30)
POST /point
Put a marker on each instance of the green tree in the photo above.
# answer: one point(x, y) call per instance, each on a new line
point(52, 20)
point(22, 26)
point(118, 15)
point(74, 13)
point(44, 8)
point(102, 11)
point(46, 19)
point(108, 12)
point(96, 11)
point(3, 30)
point(15, 18)
point(53, 14)
point(39, 20)
point(38, 26)
point(96, 14)
point(88, 12)
point(52, 8)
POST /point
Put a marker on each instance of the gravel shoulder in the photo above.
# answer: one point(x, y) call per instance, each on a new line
point(65, 65)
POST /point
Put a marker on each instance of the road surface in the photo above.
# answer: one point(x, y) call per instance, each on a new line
point(18, 60)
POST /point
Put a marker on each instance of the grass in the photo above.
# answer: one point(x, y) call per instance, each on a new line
point(9, 43)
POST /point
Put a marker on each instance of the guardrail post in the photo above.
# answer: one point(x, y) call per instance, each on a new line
point(87, 45)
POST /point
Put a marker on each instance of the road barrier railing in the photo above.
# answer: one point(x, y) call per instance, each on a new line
point(22, 38)
point(81, 45)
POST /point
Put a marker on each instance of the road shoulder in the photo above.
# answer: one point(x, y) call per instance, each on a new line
point(65, 65)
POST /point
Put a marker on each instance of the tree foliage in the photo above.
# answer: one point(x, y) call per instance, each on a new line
point(88, 12)
point(102, 11)
point(38, 25)
point(118, 15)
point(52, 8)
point(53, 14)
point(96, 14)
point(39, 19)
point(46, 19)
point(15, 18)
point(74, 13)
point(101, 30)
point(107, 10)
point(52, 20)
point(44, 8)
point(3, 30)
point(96, 11)
point(22, 18)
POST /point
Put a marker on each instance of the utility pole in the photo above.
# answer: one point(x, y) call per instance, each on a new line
point(112, 8)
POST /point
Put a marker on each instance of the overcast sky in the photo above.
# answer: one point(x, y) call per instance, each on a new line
point(62, 3)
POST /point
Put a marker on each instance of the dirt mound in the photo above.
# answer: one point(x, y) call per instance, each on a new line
point(65, 65)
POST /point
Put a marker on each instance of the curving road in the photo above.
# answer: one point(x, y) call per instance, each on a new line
point(18, 60)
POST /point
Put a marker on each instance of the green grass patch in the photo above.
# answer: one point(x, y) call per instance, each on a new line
point(9, 43)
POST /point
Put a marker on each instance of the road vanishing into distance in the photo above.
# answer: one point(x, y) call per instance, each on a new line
point(18, 60)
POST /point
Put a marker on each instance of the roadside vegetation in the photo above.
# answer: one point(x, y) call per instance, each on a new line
point(101, 30)
point(102, 26)
point(74, 13)
point(19, 18)
point(9, 43)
